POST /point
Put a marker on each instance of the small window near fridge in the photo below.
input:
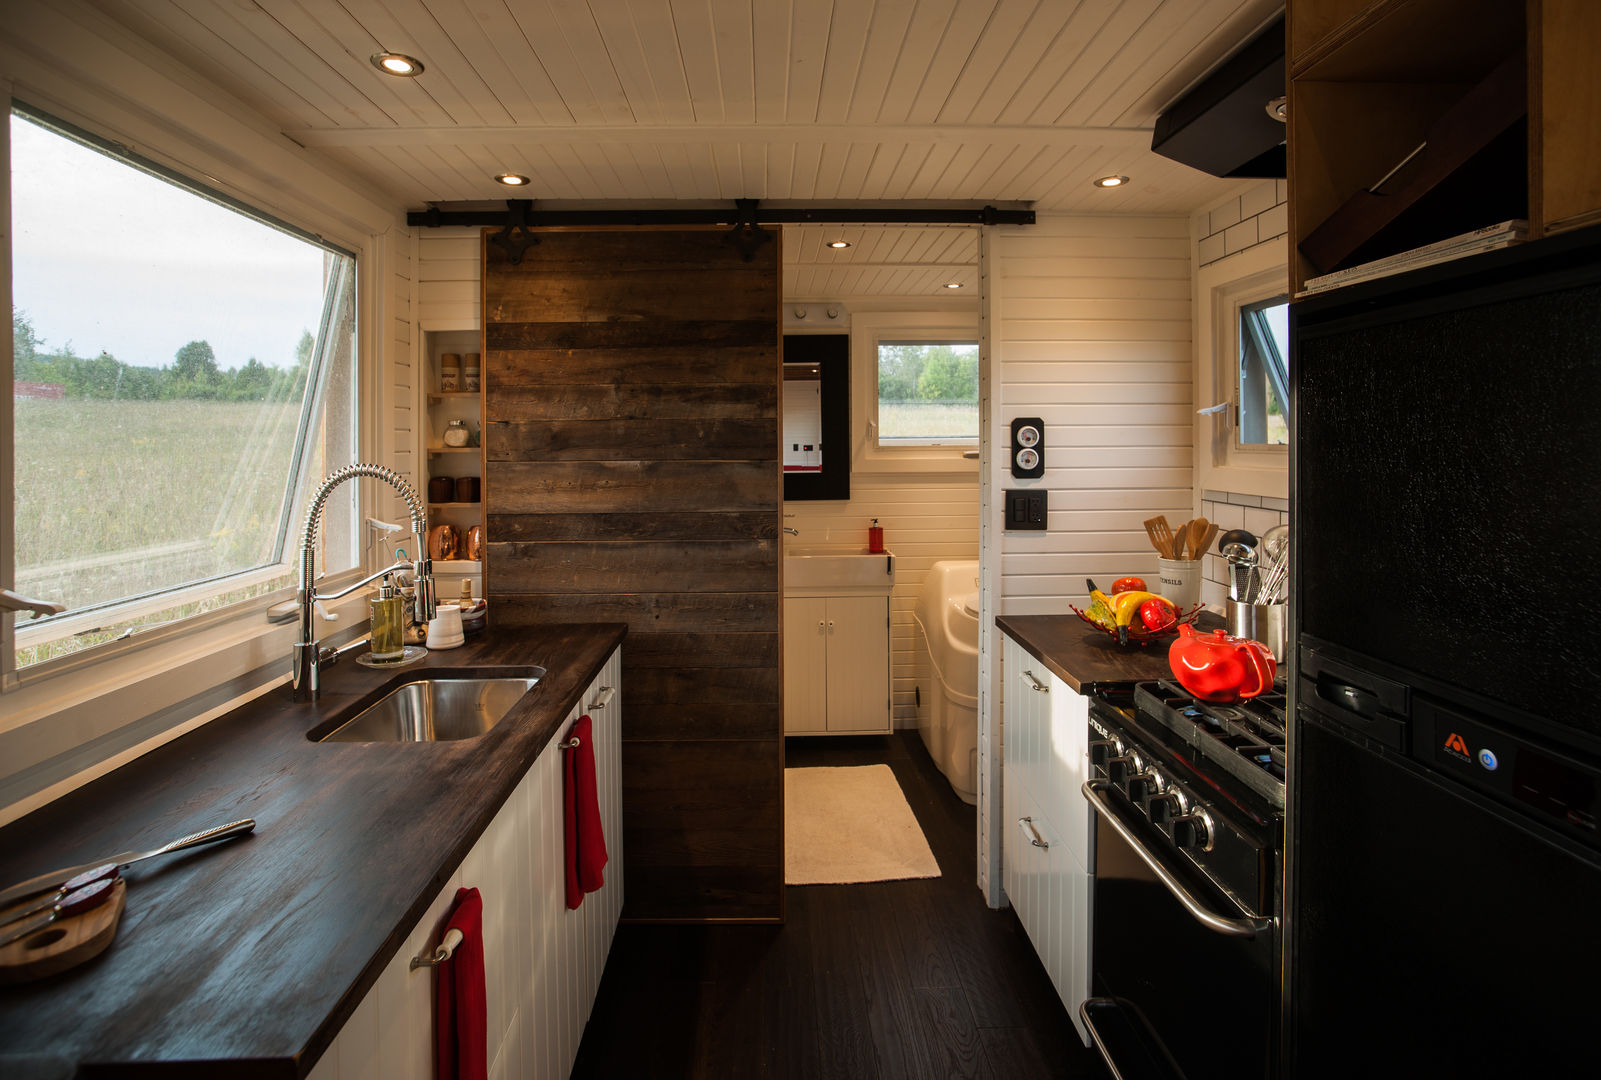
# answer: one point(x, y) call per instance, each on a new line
point(1262, 385)
point(180, 368)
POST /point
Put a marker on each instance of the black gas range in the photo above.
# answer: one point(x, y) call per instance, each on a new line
point(1189, 805)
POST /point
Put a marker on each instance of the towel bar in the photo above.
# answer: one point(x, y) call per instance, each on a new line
point(570, 744)
point(447, 946)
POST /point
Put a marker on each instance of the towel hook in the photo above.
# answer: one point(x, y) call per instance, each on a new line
point(604, 697)
point(447, 946)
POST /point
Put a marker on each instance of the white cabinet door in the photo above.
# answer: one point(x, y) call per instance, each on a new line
point(1048, 843)
point(805, 665)
point(1067, 767)
point(858, 663)
point(542, 962)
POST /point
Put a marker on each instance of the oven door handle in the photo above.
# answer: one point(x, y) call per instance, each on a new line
point(1222, 924)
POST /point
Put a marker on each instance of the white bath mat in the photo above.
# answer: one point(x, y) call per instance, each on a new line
point(851, 824)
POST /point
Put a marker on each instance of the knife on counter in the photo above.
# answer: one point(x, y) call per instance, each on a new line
point(53, 881)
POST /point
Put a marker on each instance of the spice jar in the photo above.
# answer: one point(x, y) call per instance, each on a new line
point(469, 372)
point(449, 373)
point(456, 434)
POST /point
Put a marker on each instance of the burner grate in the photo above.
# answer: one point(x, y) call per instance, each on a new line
point(1245, 740)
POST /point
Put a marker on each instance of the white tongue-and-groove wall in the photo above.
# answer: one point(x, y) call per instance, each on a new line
point(1092, 334)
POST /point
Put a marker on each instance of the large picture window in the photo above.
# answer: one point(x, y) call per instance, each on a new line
point(181, 365)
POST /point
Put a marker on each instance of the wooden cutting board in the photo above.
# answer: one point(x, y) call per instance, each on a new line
point(64, 943)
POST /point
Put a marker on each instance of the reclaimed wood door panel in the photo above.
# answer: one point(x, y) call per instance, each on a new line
point(625, 439)
point(613, 400)
point(631, 436)
point(710, 525)
point(681, 366)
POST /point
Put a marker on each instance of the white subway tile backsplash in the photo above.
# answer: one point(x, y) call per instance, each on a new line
point(1274, 222)
point(1214, 594)
point(1258, 199)
point(1214, 496)
point(1229, 516)
point(1241, 499)
point(1241, 236)
point(1211, 249)
point(1226, 215)
point(1275, 504)
point(1260, 521)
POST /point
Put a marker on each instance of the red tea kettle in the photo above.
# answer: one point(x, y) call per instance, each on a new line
point(1217, 667)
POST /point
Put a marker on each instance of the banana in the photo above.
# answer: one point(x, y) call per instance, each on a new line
point(1126, 604)
point(1101, 610)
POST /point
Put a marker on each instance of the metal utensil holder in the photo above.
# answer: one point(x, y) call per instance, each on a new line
point(1267, 623)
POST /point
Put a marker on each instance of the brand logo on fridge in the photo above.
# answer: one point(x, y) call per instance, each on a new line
point(1456, 745)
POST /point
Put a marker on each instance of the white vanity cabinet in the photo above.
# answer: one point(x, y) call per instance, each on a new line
point(1048, 834)
point(836, 664)
point(542, 962)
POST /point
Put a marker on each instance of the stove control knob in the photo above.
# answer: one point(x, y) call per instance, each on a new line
point(1139, 786)
point(1193, 830)
point(1164, 808)
point(1118, 768)
point(1100, 750)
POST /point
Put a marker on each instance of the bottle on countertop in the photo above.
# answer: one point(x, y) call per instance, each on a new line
point(387, 621)
point(875, 538)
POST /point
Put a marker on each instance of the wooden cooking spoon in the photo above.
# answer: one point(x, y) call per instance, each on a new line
point(1197, 537)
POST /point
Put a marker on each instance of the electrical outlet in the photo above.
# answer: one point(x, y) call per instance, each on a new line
point(1026, 509)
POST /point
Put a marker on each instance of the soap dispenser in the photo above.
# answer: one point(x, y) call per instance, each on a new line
point(875, 538)
point(387, 621)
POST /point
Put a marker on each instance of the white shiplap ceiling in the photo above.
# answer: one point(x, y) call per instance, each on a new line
point(809, 101)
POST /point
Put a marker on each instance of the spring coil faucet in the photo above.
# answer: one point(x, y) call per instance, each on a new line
point(308, 658)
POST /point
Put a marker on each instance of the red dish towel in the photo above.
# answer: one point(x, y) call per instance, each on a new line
point(586, 846)
point(461, 1027)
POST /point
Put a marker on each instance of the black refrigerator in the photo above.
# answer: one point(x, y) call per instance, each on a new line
point(1444, 860)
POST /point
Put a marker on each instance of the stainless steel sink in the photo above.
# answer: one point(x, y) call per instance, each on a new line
point(436, 710)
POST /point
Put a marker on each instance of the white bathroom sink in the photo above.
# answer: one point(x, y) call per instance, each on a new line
point(813, 567)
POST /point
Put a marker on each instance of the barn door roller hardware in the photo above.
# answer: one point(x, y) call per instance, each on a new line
point(746, 217)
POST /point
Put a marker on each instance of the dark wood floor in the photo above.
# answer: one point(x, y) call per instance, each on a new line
point(895, 979)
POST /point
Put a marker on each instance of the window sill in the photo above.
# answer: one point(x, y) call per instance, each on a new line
point(68, 722)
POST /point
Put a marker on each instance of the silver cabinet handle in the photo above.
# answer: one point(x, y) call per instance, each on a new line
point(1223, 924)
point(1039, 686)
point(1033, 834)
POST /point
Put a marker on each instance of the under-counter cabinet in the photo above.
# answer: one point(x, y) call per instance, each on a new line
point(542, 962)
point(836, 664)
point(1048, 835)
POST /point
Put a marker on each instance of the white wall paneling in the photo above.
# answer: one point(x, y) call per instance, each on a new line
point(542, 962)
point(1114, 390)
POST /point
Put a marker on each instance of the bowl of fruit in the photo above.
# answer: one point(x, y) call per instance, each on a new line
point(1132, 615)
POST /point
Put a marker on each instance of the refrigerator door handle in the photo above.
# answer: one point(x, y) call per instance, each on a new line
point(1247, 927)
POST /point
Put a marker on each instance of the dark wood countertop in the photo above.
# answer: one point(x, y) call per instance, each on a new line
point(1082, 656)
point(256, 951)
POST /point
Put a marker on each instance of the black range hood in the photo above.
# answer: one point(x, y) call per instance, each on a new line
point(1222, 127)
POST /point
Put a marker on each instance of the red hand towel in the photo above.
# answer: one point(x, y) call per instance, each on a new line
point(586, 846)
point(461, 1027)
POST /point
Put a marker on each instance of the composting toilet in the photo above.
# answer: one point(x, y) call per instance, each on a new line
point(946, 615)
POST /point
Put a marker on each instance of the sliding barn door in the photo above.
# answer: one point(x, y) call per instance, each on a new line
point(631, 474)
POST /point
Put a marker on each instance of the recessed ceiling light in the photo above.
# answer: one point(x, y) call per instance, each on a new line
point(953, 284)
point(839, 243)
point(511, 179)
point(393, 63)
point(1110, 181)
